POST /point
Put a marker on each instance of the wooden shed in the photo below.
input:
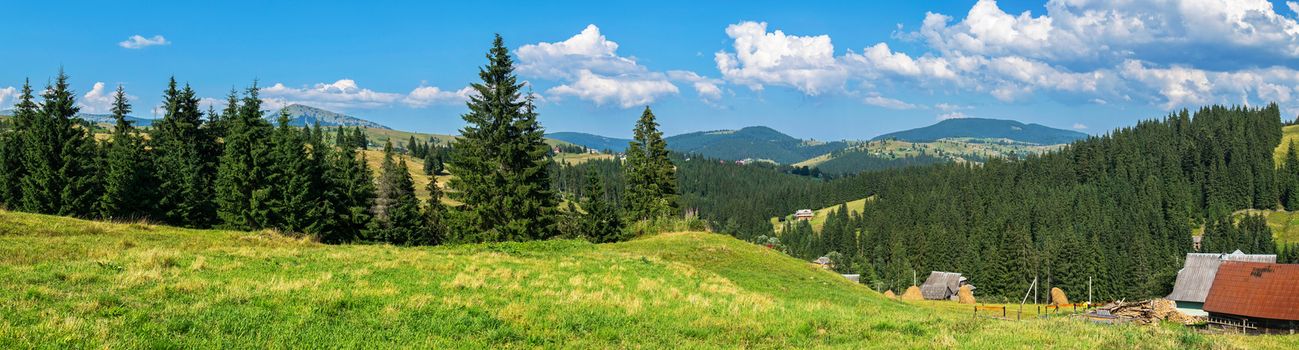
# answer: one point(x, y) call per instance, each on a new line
point(1197, 276)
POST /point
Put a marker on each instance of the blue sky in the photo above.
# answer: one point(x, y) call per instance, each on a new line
point(827, 70)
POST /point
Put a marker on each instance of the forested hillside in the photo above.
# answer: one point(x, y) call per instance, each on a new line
point(1118, 209)
point(755, 142)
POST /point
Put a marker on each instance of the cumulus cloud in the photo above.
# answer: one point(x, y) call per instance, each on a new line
point(138, 42)
point(762, 58)
point(589, 68)
point(623, 91)
point(1165, 53)
point(347, 94)
point(99, 99)
point(8, 97)
point(425, 96)
point(890, 103)
point(1079, 126)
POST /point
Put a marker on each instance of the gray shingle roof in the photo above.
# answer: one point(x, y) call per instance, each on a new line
point(941, 285)
point(1196, 276)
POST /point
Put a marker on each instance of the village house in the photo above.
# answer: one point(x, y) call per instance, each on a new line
point(1260, 294)
point(804, 214)
point(1197, 276)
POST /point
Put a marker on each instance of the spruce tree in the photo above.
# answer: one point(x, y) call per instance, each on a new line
point(651, 177)
point(60, 157)
point(350, 194)
point(502, 172)
point(129, 184)
point(435, 214)
point(242, 184)
point(602, 223)
point(397, 217)
point(12, 157)
point(295, 178)
point(185, 170)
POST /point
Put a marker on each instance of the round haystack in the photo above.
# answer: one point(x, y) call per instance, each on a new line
point(965, 295)
point(912, 293)
point(1058, 297)
point(889, 294)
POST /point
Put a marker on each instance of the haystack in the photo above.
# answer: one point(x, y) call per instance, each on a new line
point(889, 294)
point(1058, 297)
point(912, 293)
point(965, 295)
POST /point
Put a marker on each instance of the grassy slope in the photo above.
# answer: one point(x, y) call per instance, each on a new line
point(820, 215)
point(1288, 134)
point(579, 158)
point(79, 284)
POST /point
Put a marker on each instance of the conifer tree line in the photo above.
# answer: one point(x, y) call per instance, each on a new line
point(234, 169)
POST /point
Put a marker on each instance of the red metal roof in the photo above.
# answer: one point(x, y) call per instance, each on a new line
point(1253, 289)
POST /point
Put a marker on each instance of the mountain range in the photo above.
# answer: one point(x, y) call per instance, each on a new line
point(981, 128)
point(303, 115)
point(764, 143)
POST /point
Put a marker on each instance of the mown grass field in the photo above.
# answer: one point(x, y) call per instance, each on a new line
point(78, 284)
point(820, 215)
point(1284, 224)
point(579, 158)
point(1288, 134)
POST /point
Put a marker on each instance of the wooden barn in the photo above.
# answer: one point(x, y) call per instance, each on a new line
point(942, 285)
point(1197, 276)
point(1259, 294)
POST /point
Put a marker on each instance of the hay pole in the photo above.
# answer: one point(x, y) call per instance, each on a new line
point(1032, 288)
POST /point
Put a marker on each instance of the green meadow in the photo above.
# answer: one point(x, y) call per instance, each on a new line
point(70, 283)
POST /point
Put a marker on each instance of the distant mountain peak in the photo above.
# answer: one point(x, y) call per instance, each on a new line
point(987, 128)
point(302, 115)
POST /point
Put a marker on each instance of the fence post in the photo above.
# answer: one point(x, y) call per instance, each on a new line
point(1003, 312)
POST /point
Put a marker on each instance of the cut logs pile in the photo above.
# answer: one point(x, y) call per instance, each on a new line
point(1151, 311)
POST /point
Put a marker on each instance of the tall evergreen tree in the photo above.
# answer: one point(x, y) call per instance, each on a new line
point(295, 178)
point(350, 195)
point(435, 214)
point(184, 169)
point(651, 177)
point(602, 222)
point(397, 217)
point(500, 160)
point(242, 185)
point(60, 157)
point(13, 154)
point(129, 185)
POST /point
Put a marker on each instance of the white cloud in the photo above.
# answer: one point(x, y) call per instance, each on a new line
point(1294, 6)
point(425, 96)
point(709, 89)
point(590, 68)
point(99, 100)
point(761, 58)
point(952, 115)
point(890, 103)
point(8, 97)
point(624, 91)
point(1105, 32)
point(347, 94)
point(1079, 126)
point(948, 107)
point(138, 42)
point(341, 94)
